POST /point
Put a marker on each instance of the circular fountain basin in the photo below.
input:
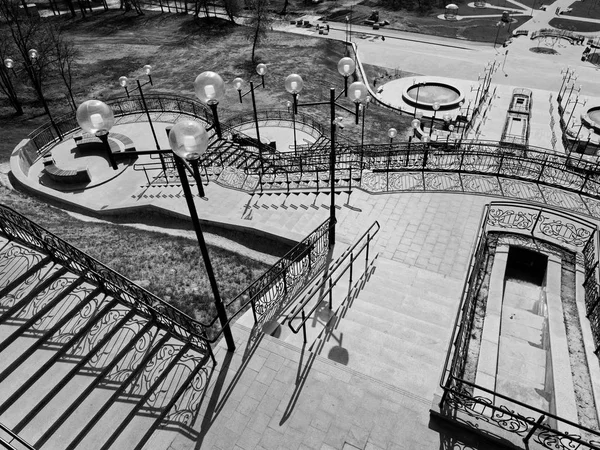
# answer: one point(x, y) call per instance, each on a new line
point(425, 94)
point(592, 119)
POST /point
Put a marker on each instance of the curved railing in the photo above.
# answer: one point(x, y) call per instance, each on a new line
point(474, 401)
point(15, 226)
point(273, 114)
point(47, 134)
point(466, 157)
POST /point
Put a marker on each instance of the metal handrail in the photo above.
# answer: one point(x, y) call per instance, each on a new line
point(8, 446)
point(272, 114)
point(18, 227)
point(449, 378)
point(274, 272)
point(326, 280)
point(45, 135)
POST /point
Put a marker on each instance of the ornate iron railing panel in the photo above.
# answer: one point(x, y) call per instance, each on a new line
point(274, 114)
point(289, 276)
point(15, 226)
point(466, 397)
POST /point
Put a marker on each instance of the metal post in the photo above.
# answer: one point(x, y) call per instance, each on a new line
point(332, 219)
point(417, 101)
point(432, 119)
point(213, 108)
point(345, 86)
point(294, 125)
point(103, 136)
point(260, 155)
point(222, 314)
point(198, 178)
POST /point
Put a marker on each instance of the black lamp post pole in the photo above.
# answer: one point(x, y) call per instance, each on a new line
point(103, 136)
point(148, 114)
point(332, 219)
point(213, 108)
point(222, 314)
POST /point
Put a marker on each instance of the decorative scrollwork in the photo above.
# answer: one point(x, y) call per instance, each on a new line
point(564, 231)
point(507, 218)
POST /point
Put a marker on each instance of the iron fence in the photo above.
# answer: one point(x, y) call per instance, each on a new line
point(273, 114)
point(459, 394)
point(46, 135)
point(17, 227)
point(285, 280)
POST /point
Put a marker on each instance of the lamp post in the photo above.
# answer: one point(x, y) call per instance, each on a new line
point(238, 83)
point(357, 92)
point(575, 103)
point(12, 94)
point(417, 100)
point(392, 133)
point(36, 77)
point(568, 74)
point(415, 123)
point(97, 118)
point(346, 67)
point(435, 107)
point(189, 140)
point(124, 81)
point(363, 107)
point(210, 89)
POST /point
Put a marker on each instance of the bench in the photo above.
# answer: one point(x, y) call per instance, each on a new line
point(69, 176)
point(87, 138)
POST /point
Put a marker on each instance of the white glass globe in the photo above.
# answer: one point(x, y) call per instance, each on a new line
point(188, 139)
point(209, 87)
point(94, 115)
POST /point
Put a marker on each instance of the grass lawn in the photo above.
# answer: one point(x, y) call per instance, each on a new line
point(168, 266)
point(588, 8)
point(575, 25)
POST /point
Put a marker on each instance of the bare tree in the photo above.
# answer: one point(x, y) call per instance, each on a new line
point(29, 33)
point(65, 53)
point(6, 85)
point(260, 23)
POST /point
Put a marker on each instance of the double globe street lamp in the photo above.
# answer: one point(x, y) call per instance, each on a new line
point(356, 92)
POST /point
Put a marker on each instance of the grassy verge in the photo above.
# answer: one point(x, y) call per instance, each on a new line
point(589, 9)
point(574, 25)
point(167, 266)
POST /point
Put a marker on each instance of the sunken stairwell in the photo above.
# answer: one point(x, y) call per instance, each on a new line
point(81, 369)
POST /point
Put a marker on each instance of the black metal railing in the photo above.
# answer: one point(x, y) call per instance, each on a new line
point(459, 394)
point(324, 289)
point(17, 227)
point(12, 441)
point(284, 281)
point(273, 115)
point(46, 135)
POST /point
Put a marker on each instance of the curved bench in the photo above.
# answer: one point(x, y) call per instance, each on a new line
point(69, 176)
point(87, 138)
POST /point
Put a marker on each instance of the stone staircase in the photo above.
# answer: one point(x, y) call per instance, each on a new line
point(81, 369)
point(397, 318)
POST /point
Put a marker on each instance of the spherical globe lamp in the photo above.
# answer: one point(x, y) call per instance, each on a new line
point(147, 69)
point(392, 133)
point(188, 139)
point(346, 66)
point(357, 91)
point(238, 83)
point(94, 115)
point(9, 63)
point(416, 123)
point(261, 69)
point(294, 83)
point(209, 87)
point(123, 81)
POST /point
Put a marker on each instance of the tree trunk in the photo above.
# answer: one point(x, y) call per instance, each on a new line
point(71, 8)
point(284, 10)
